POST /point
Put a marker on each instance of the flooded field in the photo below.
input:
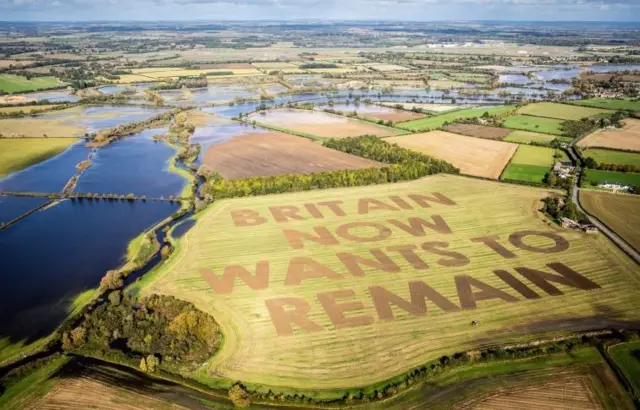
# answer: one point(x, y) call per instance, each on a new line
point(376, 112)
point(318, 123)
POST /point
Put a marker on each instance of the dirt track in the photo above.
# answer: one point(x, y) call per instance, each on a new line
point(267, 154)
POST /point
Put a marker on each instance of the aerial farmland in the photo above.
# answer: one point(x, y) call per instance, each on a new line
point(315, 214)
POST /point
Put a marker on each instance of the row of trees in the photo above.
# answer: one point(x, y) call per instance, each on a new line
point(183, 82)
point(404, 165)
point(591, 163)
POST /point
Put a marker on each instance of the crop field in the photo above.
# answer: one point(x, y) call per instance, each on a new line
point(534, 124)
point(274, 153)
point(376, 112)
point(627, 357)
point(474, 156)
point(311, 289)
point(478, 131)
point(606, 156)
point(618, 212)
point(319, 124)
point(594, 177)
point(587, 382)
point(610, 104)
point(439, 120)
point(10, 83)
point(19, 153)
point(560, 111)
point(526, 137)
point(530, 163)
point(625, 138)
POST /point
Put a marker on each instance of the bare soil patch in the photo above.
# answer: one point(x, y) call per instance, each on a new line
point(479, 131)
point(474, 156)
point(396, 116)
point(561, 394)
point(627, 137)
point(88, 393)
point(274, 153)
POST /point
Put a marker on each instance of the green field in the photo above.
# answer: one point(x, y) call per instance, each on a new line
point(523, 172)
point(348, 268)
point(19, 153)
point(534, 124)
point(560, 111)
point(10, 83)
point(431, 123)
point(531, 163)
point(526, 137)
point(609, 104)
point(594, 177)
point(627, 357)
point(607, 156)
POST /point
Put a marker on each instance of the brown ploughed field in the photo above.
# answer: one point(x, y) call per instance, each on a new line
point(479, 131)
point(396, 116)
point(275, 153)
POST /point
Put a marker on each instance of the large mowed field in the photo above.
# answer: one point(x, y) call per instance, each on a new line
point(625, 138)
point(618, 212)
point(319, 124)
point(438, 121)
point(338, 288)
point(274, 153)
point(10, 83)
point(560, 111)
point(474, 156)
point(19, 153)
point(534, 124)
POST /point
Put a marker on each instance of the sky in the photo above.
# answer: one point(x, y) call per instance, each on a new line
point(413, 10)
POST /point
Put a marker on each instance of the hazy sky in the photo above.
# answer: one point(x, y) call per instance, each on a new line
point(416, 10)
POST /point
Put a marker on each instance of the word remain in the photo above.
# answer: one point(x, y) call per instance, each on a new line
point(291, 313)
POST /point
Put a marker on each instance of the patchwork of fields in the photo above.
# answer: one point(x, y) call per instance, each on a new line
point(312, 289)
point(531, 163)
point(474, 156)
point(610, 104)
point(438, 121)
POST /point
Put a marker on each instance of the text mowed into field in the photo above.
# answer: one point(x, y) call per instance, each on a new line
point(318, 123)
point(474, 156)
point(274, 153)
point(346, 287)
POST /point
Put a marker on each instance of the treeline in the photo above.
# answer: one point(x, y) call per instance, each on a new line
point(591, 163)
point(160, 331)
point(317, 65)
point(243, 395)
point(183, 82)
point(376, 149)
point(21, 113)
point(403, 165)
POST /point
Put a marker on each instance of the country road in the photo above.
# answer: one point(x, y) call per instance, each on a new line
point(621, 243)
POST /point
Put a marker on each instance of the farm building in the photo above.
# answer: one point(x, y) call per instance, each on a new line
point(615, 187)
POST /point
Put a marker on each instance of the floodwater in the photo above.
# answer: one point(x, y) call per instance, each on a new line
point(12, 207)
point(514, 79)
point(54, 96)
point(60, 251)
point(50, 175)
point(216, 134)
point(286, 117)
point(613, 68)
point(362, 108)
point(135, 164)
point(204, 96)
